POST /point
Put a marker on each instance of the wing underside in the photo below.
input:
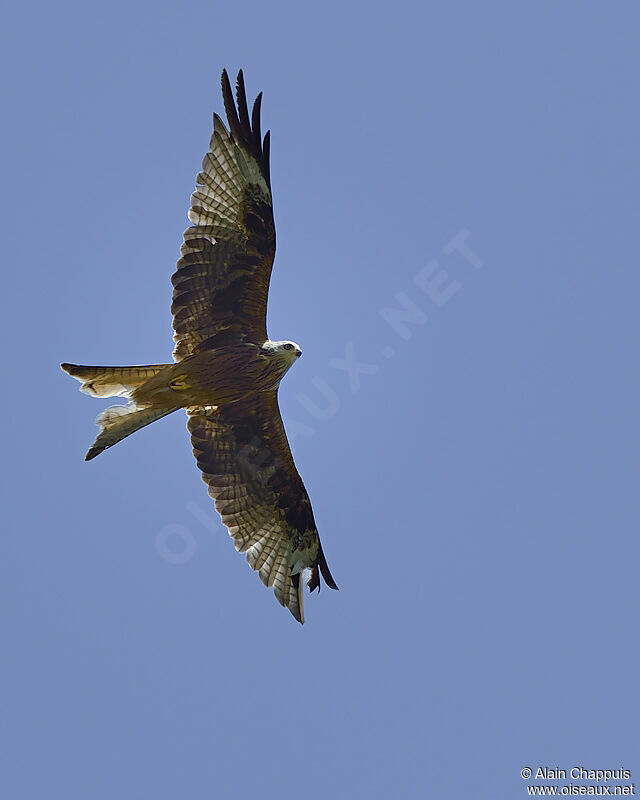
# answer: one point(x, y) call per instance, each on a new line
point(247, 464)
point(220, 298)
point(222, 278)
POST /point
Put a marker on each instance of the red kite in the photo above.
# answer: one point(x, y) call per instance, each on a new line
point(227, 371)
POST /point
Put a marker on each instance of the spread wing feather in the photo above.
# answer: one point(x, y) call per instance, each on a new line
point(222, 278)
point(246, 462)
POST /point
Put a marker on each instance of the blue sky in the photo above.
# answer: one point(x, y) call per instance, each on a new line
point(474, 484)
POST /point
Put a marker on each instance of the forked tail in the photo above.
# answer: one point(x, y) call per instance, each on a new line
point(117, 422)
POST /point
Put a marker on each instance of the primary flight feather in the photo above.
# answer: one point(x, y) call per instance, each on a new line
point(227, 371)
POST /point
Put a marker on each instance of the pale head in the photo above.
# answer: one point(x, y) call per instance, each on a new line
point(286, 352)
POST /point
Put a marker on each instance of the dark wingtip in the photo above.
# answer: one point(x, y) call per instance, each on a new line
point(295, 580)
point(266, 157)
point(229, 105)
point(93, 452)
point(68, 368)
point(324, 569)
point(314, 580)
point(241, 100)
point(244, 129)
point(319, 567)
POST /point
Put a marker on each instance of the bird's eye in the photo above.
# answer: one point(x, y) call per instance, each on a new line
point(288, 346)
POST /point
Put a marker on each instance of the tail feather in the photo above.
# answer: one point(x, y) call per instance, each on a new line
point(118, 422)
point(111, 381)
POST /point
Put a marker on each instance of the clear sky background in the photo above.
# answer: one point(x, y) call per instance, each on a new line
point(475, 484)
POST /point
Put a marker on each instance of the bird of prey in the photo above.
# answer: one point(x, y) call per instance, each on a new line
point(227, 371)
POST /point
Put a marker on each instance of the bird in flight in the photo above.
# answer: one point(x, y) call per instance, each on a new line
point(227, 371)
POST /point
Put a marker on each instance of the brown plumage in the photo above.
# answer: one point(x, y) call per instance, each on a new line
point(228, 372)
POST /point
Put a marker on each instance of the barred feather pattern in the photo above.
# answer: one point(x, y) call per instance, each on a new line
point(219, 302)
point(222, 278)
point(111, 381)
point(247, 465)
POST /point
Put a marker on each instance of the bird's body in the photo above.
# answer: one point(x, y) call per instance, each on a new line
point(228, 371)
point(210, 378)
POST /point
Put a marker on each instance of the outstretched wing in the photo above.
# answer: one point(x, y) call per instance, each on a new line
point(222, 279)
point(244, 455)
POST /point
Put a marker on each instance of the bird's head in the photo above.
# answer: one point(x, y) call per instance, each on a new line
point(285, 351)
